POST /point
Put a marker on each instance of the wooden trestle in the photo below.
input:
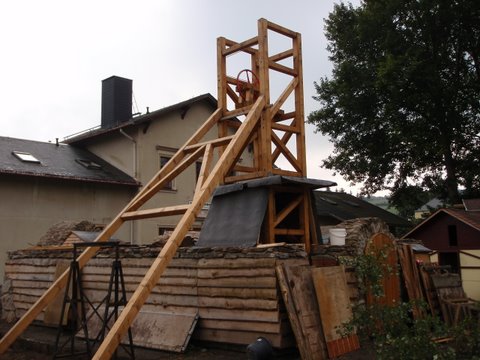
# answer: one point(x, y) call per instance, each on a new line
point(266, 126)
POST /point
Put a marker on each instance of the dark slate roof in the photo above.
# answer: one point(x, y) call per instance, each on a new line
point(344, 206)
point(471, 218)
point(58, 161)
point(98, 131)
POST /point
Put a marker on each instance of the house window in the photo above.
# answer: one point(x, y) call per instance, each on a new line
point(452, 235)
point(163, 161)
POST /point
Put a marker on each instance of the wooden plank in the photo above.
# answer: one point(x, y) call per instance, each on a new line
point(240, 304)
point(241, 47)
point(229, 273)
point(282, 55)
point(382, 247)
point(53, 311)
point(29, 269)
point(292, 312)
point(243, 315)
point(335, 308)
point(288, 209)
point(300, 281)
point(215, 142)
point(155, 330)
point(237, 263)
point(151, 213)
point(259, 282)
point(242, 293)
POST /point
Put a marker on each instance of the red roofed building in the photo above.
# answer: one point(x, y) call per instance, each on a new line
point(454, 233)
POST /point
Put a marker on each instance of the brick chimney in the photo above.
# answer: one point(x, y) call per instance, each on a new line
point(116, 101)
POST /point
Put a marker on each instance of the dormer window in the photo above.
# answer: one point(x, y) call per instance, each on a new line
point(89, 164)
point(25, 157)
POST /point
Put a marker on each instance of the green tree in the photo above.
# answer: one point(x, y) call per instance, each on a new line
point(402, 106)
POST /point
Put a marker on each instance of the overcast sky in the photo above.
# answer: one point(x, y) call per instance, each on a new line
point(55, 54)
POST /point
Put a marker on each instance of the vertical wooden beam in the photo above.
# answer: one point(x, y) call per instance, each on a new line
point(305, 220)
point(299, 103)
point(271, 216)
point(263, 75)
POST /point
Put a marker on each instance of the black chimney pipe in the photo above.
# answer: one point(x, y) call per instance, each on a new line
point(116, 101)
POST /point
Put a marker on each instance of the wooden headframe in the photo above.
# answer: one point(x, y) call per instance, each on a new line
point(265, 126)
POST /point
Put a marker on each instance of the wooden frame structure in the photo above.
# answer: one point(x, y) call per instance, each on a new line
point(265, 125)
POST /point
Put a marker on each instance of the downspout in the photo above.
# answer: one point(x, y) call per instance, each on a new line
point(135, 173)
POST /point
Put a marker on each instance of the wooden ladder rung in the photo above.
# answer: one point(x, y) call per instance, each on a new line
point(150, 213)
point(217, 142)
point(234, 113)
point(289, 231)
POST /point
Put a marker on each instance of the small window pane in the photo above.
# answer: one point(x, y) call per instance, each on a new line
point(163, 161)
point(27, 157)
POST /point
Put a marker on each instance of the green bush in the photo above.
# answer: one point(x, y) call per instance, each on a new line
point(393, 331)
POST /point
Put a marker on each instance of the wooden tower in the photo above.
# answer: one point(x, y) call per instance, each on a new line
point(272, 126)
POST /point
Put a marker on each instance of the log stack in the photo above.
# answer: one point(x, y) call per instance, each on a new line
point(234, 291)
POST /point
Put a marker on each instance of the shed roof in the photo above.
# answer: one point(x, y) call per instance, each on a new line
point(57, 161)
point(343, 206)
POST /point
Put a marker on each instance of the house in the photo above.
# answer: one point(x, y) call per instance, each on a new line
point(334, 207)
point(141, 145)
point(44, 183)
point(454, 233)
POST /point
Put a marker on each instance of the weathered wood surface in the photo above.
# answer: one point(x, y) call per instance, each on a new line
point(234, 304)
point(335, 308)
point(383, 247)
point(154, 329)
point(299, 296)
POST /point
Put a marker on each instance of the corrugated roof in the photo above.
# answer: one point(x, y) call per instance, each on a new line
point(343, 206)
point(58, 161)
point(89, 134)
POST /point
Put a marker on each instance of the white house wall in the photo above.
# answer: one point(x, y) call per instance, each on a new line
point(31, 205)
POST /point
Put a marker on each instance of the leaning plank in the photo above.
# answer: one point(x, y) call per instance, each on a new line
point(301, 283)
point(156, 330)
point(292, 313)
point(334, 306)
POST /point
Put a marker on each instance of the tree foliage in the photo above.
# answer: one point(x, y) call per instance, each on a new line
point(402, 106)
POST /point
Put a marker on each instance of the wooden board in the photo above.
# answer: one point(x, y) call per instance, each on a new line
point(411, 277)
point(53, 310)
point(156, 330)
point(335, 309)
point(383, 247)
point(299, 296)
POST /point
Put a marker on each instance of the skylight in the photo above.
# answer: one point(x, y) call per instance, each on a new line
point(89, 164)
point(26, 157)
